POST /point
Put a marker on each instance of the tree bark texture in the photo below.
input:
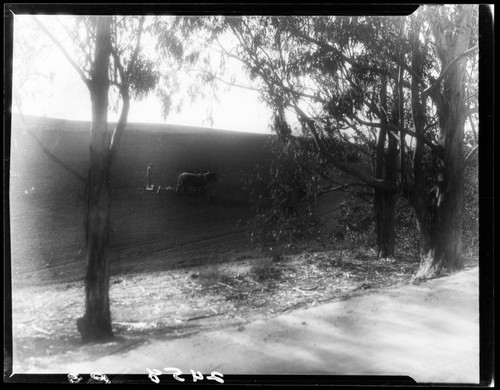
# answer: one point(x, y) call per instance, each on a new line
point(385, 169)
point(424, 210)
point(95, 325)
point(440, 221)
point(384, 223)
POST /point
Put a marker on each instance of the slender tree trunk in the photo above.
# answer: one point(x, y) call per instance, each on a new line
point(385, 200)
point(384, 223)
point(424, 206)
point(95, 325)
point(388, 238)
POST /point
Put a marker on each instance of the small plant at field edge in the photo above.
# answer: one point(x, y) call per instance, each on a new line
point(266, 269)
point(213, 276)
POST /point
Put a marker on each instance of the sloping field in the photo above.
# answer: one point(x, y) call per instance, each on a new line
point(150, 231)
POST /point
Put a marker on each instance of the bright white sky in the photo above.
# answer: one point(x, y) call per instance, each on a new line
point(65, 96)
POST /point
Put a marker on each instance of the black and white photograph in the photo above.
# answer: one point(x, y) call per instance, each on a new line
point(196, 194)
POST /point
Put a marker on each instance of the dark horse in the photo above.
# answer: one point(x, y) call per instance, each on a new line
point(195, 180)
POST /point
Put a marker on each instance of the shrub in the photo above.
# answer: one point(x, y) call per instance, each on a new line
point(283, 196)
point(356, 222)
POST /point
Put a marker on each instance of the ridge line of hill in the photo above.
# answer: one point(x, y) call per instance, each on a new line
point(78, 126)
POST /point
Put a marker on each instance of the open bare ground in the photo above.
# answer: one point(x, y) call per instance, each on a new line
point(184, 301)
point(243, 318)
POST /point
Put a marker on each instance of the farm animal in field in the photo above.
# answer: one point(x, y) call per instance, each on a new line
point(195, 180)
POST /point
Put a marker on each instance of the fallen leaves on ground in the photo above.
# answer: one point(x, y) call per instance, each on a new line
point(175, 304)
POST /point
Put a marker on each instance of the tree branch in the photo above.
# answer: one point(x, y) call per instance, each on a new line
point(124, 89)
point(122, 121)
point(443, 74)
point(398, 62)
point(47, 152)
point(120, 126)
point(471, 111)
point(121, 71)
point(472, 154)
point(354, 63)
point(232, 84)
point(471, 96)
point(278, 79)
point(274, 80)
point(137, 46)
point(85, 49)
point(326, 190)
point(63, 50)
point(396, 129)
point(345, 167)
point(474, 132)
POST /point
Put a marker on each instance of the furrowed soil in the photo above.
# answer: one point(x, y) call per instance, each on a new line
point(150, 231)
point(180, 264)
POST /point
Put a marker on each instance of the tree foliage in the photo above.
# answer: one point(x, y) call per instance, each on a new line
point(384, 87)
point(284, 195)
point(183, 55)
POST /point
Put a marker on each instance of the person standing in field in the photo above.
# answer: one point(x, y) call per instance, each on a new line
point(149, 174)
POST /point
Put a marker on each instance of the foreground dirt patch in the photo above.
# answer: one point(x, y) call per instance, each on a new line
point(181, 302)
point(428, 331)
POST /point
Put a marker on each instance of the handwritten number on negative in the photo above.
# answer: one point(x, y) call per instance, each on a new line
point(197, 375)
point(176, 373)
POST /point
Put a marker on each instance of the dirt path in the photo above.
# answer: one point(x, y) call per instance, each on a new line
point(428, 331)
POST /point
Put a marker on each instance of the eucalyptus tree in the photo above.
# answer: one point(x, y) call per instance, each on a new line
point(434, 50)
point(442, 38)
point(106, 53)
point(338, 93)
point(392, 89)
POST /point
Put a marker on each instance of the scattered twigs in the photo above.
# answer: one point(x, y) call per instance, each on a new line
point(206, 316)
point(226, 285)
point(41, 330)
point(213, 297)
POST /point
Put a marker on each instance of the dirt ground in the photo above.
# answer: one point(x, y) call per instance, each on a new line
point(185, 320)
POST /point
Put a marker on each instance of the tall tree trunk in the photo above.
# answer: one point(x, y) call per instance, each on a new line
point(384, 222)
point(450, 180)
point(95, 325)
point(385, 200)
point(392, 161)
point(424, 207)
point(440, 218)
